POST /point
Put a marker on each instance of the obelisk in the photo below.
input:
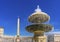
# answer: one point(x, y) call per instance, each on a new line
point(18, 27)
point(18, 30)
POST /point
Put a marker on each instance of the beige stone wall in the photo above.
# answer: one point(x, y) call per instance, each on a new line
point(57, 38)
point(0, 40)
point(1, 31)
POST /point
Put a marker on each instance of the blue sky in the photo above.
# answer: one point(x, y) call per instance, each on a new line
point(11, 9)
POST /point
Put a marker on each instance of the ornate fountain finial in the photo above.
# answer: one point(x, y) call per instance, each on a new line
point(38, 9)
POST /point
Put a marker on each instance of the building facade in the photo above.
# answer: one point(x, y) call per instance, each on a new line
point(54, 37)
